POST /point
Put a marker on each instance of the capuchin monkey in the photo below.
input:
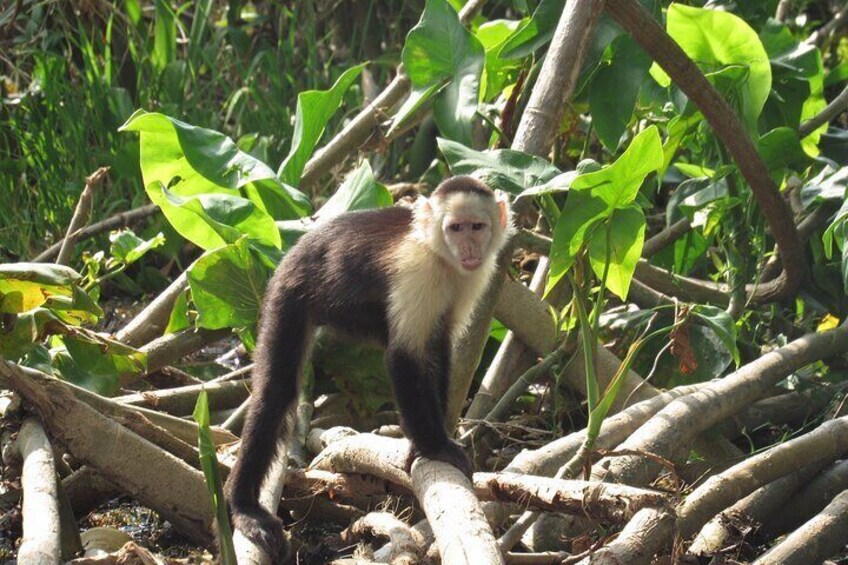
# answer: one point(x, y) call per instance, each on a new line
point(407, 278)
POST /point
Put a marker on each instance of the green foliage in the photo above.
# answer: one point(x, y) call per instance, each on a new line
point(726, 49)
point(614, 89)
point(314, 110)
point(360, 191)
point(41, 302)
point(227, 286)
point(600, 215)
point(501, 169)
point(209, 465)
point(189, 160)
point(444, 61)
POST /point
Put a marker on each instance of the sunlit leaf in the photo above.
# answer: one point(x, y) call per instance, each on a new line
point(24, 286)
point(215, 219)
point(715, 40)
point(501, 169)
point(360, 191)
point(440, 49)
point(314, 110)
point(227, 285)
point(617, 251)
point(189, 160)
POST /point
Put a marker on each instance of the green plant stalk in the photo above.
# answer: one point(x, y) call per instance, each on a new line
point(589, 343)
point(209, 464)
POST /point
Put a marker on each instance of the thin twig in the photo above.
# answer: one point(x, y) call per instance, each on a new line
point(81, 214)
point(836, 107)
point(119, 220)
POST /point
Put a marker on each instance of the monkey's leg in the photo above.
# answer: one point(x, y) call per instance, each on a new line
point(279, 356)
point(417, 395)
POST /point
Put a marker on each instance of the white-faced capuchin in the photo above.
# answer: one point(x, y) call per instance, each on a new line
point(406, 278)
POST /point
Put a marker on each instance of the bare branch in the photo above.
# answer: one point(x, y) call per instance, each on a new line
point(81, 214)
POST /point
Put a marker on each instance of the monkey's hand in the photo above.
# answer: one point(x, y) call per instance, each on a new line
point(450, 452)
point(265, 530)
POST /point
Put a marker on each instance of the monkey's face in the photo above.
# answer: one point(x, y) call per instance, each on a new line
point(468, 239)
point(469, 228)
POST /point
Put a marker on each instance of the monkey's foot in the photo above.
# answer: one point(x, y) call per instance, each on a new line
point(451, 453)
point(265, 530)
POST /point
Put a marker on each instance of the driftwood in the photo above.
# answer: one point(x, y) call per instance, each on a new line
point(41, 544)
point(672, 431)
point(809, 499)
point(821, 537)
point(462, 534)
point(749, 512)
point(180, 401)
point(408, 545)
point(606, 503)
point(155, 477)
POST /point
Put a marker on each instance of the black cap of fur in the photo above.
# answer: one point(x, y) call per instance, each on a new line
point(462, 183)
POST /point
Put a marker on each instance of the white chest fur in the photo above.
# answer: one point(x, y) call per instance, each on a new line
point(427, 289)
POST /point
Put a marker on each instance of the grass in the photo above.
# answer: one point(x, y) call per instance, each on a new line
point(71, 73)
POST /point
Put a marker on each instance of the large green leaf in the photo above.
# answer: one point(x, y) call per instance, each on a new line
point(614, 89)
point(582, 211)
point(534, 32)
point(360, 191)
point(215, 219)
point(798, 88)
point(190, 160)
point(24, 286)
point(227, 287)
point(96, 363)
point(492, 36)
point(129, 248)
point(781, 149)
point(501, 169)
point(437, 50)
point(618, 184)
point(418, 98)
point(716, 40)
point(594, 197)
point(314, 110)
point(616, 248)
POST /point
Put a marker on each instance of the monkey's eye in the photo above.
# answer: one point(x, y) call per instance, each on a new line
point(455, 227)
point(477, 226)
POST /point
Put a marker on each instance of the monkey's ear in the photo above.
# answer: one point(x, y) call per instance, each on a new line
point(423, 212)
point(503, 206)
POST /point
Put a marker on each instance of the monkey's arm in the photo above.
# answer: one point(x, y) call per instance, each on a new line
point(419, 393)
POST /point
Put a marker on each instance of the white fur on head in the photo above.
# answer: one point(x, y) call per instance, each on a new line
point(426, 283)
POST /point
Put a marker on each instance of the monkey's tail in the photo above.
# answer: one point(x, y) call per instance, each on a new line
point(280, 352)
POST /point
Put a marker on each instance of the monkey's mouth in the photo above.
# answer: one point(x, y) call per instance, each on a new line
point(471, 263)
